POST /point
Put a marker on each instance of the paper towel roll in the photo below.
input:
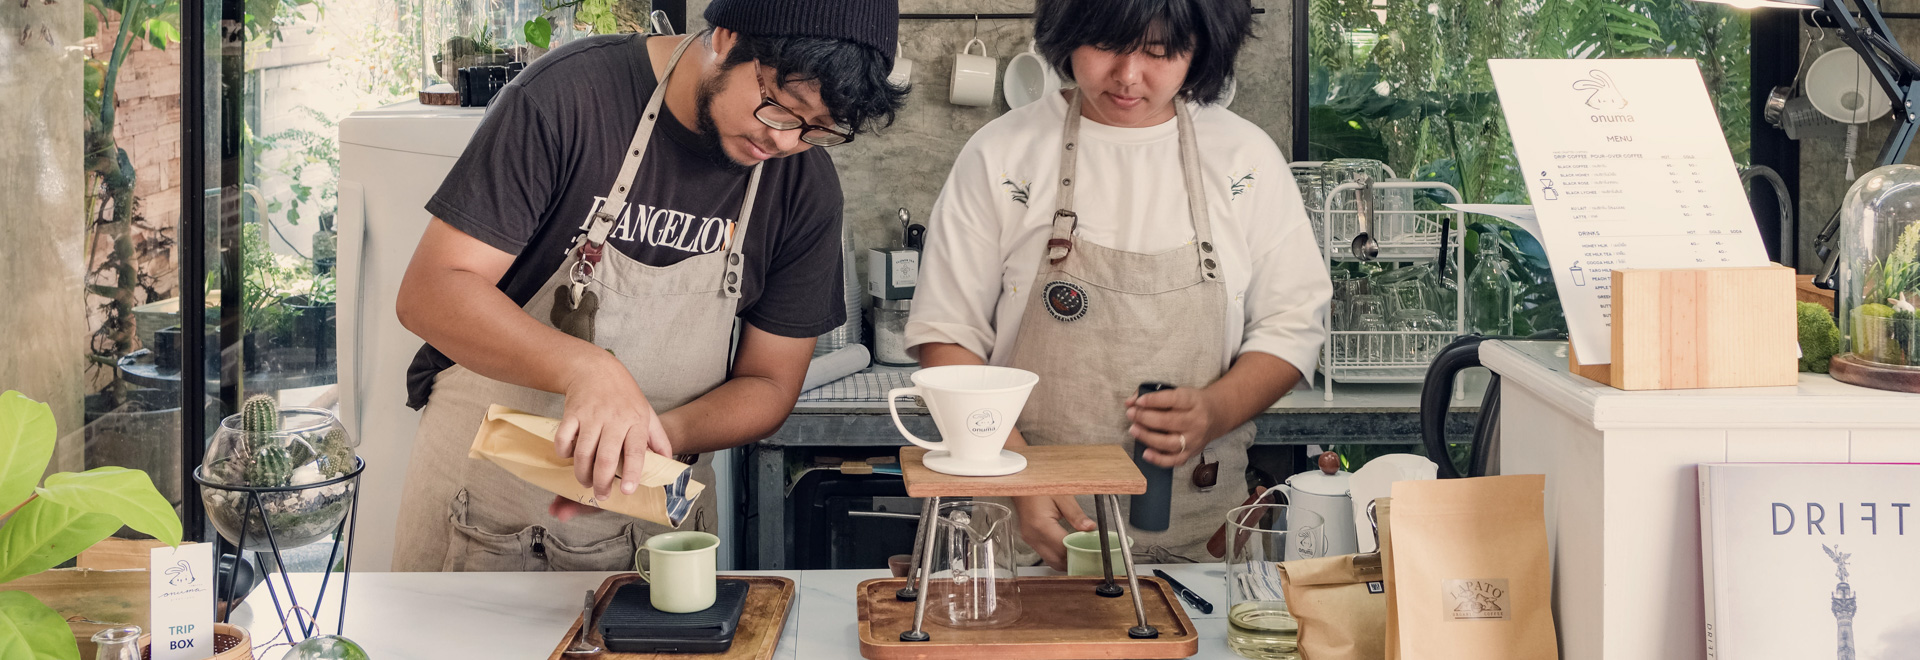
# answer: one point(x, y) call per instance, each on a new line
point(836, 365)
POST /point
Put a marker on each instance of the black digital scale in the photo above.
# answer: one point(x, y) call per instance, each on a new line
point(630, 624)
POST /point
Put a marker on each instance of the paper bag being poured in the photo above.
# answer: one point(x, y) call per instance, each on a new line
point(522, 443)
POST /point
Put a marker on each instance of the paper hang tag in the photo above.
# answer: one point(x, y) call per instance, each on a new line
point(181, 582)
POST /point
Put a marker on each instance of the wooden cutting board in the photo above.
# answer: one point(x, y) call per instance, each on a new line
point(1061, 618)
point(768, 599)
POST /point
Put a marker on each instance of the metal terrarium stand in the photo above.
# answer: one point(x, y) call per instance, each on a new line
point(256, 524)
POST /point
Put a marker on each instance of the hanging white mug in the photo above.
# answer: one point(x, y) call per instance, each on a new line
point(973, 76)
point(1029, 78)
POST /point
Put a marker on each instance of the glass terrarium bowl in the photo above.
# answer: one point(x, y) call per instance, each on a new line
point(310, 447)
point(1879, 284)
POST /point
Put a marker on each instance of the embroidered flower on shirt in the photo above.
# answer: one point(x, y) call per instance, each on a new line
point(1018, 191)
point(1243, 183)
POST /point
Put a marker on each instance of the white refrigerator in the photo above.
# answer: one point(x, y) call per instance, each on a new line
point(391, 160)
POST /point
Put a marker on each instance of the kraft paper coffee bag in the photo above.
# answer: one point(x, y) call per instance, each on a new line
point(522, 443)
point(1468, 571)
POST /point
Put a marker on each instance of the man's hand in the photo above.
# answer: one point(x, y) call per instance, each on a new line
point(608, 428)
point(1175, 424)
point(1040, 517)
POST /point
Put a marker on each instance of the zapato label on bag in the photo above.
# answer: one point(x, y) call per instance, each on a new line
point(1475, 600)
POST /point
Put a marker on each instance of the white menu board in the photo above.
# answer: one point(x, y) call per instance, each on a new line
point(1627, 168)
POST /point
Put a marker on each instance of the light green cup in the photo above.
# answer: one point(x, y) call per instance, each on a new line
point(680, 567)
point(1083, 554)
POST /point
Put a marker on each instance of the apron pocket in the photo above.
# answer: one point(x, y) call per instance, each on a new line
point(614, 553)
point(537, 547)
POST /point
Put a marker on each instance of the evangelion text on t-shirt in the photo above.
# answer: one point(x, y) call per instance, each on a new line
point(549, 150)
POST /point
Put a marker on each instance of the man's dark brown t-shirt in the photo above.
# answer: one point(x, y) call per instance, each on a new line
point(548, 151)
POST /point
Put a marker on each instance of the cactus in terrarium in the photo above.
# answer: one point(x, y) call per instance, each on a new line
point(269, 464)
point(336, 453)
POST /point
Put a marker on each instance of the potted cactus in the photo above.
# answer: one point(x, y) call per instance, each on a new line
point(270, 453)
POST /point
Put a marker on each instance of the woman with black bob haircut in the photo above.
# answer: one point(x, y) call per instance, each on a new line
point(1130, 231)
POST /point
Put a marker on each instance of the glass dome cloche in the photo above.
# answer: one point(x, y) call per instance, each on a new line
point(1879, 284)
point(272, 453)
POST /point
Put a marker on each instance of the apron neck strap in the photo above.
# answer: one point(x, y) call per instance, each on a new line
point(1060, 243)
point(616, 199)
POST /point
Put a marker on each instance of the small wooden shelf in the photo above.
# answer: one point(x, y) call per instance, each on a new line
point(1054, 470)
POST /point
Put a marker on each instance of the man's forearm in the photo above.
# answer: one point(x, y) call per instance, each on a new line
point(480, 328)
point(740, 411)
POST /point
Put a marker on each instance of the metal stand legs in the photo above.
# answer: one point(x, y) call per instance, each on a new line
point(1141, 630)
point(925, 565)
point(920, 541)
point(1106, 589)
point(1107, 508)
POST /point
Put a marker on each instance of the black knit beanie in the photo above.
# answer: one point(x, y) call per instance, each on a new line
point(874, 23)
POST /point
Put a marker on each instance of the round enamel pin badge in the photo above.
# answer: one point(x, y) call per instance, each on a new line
point(1066, 301)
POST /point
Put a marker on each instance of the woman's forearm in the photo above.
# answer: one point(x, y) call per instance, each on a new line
point(1252, 385)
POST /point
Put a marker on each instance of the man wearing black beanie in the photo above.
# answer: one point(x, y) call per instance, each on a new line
point(626, 199)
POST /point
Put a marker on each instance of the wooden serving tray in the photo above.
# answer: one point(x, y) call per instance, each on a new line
point(1061, 619)
point(768, 599)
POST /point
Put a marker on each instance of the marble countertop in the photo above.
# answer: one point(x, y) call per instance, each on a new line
point(422, 616)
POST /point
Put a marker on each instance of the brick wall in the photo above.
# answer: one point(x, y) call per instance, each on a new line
point(147, 126)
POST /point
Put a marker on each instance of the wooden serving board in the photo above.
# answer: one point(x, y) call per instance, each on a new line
point(1051, 470)
point(1061, 619)
point(768, 599)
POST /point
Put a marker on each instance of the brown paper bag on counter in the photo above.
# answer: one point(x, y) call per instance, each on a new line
point(1467, 570)
point(1341, 605)
point(522, 443)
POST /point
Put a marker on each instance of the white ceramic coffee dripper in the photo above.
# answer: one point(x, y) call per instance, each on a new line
point(974, 407)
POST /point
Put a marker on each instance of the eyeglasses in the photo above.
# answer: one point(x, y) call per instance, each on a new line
point(778, 117)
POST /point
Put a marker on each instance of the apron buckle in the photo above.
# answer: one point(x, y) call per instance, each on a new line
point(590, 253)
point(1058, 248)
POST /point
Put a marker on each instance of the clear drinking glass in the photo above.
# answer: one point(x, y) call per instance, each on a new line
point(1362, 305)
point(1262, 536)
point(1346, 288)
point(117, 644)
point(1369, 348)
point(972, 581)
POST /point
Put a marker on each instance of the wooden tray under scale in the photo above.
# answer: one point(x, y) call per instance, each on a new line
point(1061, 619)
point(768, 599)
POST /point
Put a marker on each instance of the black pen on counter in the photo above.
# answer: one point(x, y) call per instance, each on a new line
point(1185, 593)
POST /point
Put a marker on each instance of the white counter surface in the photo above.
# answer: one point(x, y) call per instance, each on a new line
point(461, 616)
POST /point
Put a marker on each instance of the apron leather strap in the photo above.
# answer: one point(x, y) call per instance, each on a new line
point(1196, 193)
point(1060, 243)
point(1064, 219)
point(609, 211)
point(616, 199)
point(737, 238)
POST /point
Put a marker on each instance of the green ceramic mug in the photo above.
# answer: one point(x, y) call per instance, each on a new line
point(1083, 554)
point(680, 567)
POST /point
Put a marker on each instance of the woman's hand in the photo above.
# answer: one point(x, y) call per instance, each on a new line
point(608, 428)
point(1175, 424)
point(1040, 517)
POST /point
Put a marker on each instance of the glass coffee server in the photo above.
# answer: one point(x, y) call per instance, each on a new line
point(1387, 324)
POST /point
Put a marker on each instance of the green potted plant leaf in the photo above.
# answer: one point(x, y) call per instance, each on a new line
point(49, 522)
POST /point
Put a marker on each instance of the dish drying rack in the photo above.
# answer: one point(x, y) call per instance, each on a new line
point(1412, 235)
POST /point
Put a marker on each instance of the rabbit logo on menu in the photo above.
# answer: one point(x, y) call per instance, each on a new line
point(1605, 95)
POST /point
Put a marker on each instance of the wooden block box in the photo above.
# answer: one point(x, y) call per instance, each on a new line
point(1700, 328)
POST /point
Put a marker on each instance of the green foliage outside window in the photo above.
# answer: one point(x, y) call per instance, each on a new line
point(1406, 82)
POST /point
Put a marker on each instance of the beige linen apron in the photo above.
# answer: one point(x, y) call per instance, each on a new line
point(1100, 321)
point(671, 326)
